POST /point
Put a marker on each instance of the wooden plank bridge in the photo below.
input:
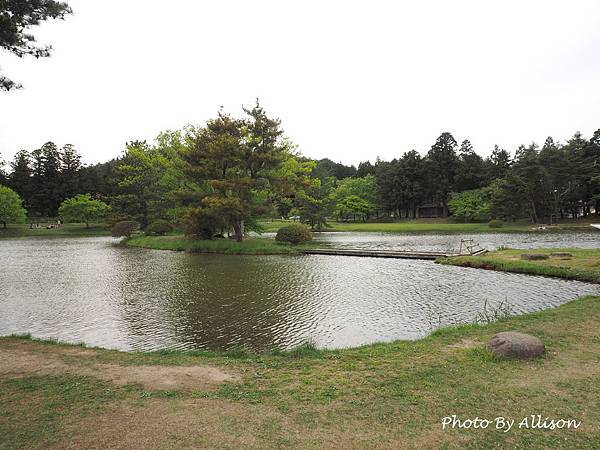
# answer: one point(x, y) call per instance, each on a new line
point(472, 250)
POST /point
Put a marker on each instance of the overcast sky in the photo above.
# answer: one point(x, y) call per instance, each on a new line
point(350, 80)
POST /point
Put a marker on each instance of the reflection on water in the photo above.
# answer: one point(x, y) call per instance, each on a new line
point(89, 290)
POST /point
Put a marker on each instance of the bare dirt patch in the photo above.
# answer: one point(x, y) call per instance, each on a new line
point(465, 343)
point(162, 377)
point(22, 361)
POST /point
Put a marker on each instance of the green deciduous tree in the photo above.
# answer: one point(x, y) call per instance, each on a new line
point(83, 209)
point(471, 206)
point(11, 206)
point(16, 17)
point(147, 177)
point(353, 206)
point(356, 197)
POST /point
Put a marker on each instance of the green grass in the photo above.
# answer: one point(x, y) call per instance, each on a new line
point(583, 266)
point(249, 246)
point(389, 394)
point(438, 226)
point(66, 230)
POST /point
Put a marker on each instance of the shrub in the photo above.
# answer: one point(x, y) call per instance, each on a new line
point(296, 233)
point(495, 223)
point(124, 228)
point(203, 223)
point(159, 227)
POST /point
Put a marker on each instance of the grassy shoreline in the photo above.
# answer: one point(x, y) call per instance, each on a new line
point(391, 395)
point(249, 246)
point(584, 265)
point(445, 226)
point(439, 226)
point(66, 230)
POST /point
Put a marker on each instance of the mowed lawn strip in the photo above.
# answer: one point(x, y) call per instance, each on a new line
point(390, 395)
point(65, 230)
point(439, 226)
point(249, 246)
point(584, 265)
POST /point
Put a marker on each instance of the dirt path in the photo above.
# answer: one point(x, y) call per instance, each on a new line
point(30, 358)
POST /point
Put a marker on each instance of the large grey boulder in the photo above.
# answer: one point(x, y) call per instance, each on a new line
point(516, 345)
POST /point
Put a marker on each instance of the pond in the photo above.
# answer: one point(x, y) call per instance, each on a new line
point(451, 242)
point(89, 290)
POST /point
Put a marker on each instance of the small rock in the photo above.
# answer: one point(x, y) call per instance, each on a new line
point(534, 256)
point(561, 254)
point(516, 345)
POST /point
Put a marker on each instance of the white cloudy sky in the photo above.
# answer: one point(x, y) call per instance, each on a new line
point(351, 80)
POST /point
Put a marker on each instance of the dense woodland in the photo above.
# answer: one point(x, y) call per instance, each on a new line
point(231, 172)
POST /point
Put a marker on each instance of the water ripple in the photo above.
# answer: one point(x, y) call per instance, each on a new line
point(87, 290)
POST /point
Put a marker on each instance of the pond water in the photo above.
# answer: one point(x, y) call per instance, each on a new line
point(451, 242)
point(89, 290)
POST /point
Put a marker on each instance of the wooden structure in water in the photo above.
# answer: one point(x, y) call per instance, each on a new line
point(472, 250)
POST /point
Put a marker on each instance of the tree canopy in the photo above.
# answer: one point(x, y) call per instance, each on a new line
point(226, 175)
point(82, 208)
point(241, 162)
point(11, 207)
point(16, 17)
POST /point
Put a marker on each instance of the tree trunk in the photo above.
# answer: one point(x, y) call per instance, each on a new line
point(534, 215)
point(238, 229)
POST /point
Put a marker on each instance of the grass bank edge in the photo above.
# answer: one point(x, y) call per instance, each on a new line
point(504, 261)
point(249, 246)
point(66, 230)
point(530, 322)
point(438, 226)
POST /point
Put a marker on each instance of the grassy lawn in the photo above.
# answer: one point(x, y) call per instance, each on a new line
point(438, 226)
point(66, 230)
point(249, 246)
point(384, 395)
point(584, 265)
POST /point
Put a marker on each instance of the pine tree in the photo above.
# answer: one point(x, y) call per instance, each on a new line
point(70, 166)
point(443, 168)
point(471, 171)
point(46, 180)
point(20, 176)
point(3, 175)
point(498, 164)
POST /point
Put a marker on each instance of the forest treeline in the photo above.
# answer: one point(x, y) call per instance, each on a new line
point(230, 172)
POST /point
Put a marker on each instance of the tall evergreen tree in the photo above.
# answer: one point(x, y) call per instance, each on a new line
point(531, 177)
point(443, 167)
point(20, 176)
point(46, 180)
point(365, 168)
point(70, 166)
point(3, 175)
point(471, 171)
point(239, 160)
point(498, 164)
